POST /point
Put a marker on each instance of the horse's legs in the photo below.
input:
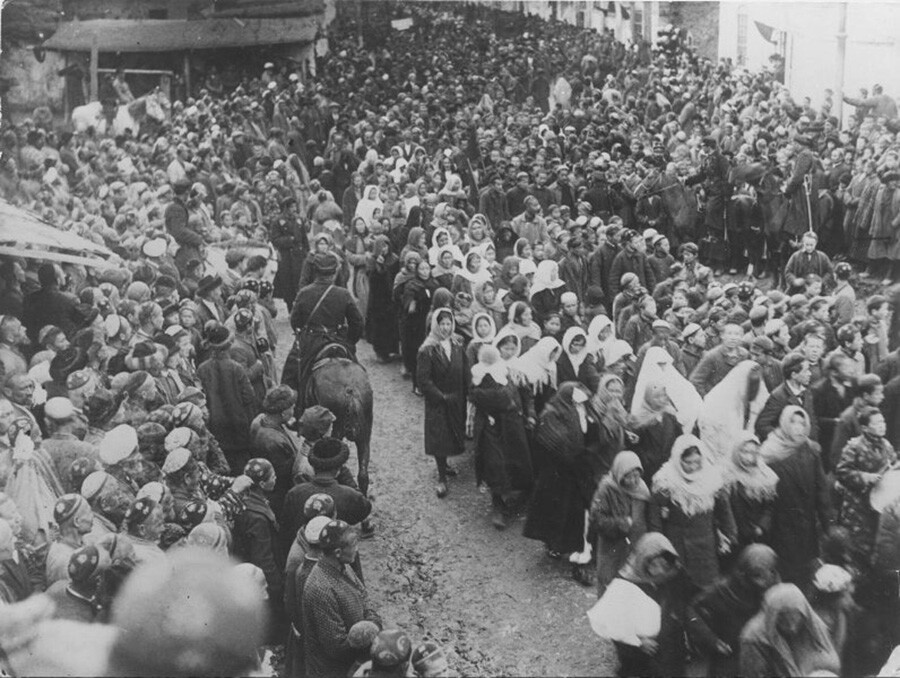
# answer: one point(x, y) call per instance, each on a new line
point(362, 457)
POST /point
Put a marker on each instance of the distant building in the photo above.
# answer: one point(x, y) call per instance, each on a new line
point(805, 37)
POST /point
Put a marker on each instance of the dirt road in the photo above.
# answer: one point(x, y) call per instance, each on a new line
point(437, 567)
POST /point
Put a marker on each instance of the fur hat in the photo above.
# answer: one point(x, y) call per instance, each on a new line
point(328, 454)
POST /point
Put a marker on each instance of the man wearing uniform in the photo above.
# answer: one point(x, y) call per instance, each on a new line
point(803, 192)
point(713, 175)
point(323, 314)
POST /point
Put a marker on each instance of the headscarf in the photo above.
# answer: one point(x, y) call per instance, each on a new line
point(757, 482)
point(643, 412)
point(489, 339)
point(647, 548)
point(536, 366)
point(507, 332)
point(403, 275)
point(366, 207)
point(438, 268)
point(610, 408)
point(617, 351)
point(815, 653)
point(725, 413)
point(435, 249)
point(624, 463)
point(575, 358)
point(546, 277)
point(600, 349)
point(526, 264)
point(659, 367)
point(522, 331)
point(480, 276)
point(780, 445)
point(693, 493)
point(434, 337)
point(478, 292)
point(506, 276)
point(489, 362)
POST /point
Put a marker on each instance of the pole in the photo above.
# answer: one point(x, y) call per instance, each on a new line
point(95, 61)
point(187, 75)
point(841, 60)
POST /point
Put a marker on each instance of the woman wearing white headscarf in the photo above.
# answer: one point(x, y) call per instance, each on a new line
point(690, 507)
point(659, 368)
point(731, 408)
point(441, 239)
point(538, 367)
point(575, 363)
point(601, 335)
point(546, 289)
point(502, 455)
point(370, 202)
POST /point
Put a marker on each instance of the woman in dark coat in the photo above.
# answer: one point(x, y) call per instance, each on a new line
point(414, 303)
point(442, 376)
point(618, 515)
point(502, 456)
point(289, 237)
point(565, 487)
point(802, 494)
point(690, 508)
point(381, 314)
point(656, 427)
point(717, 616)
point(751, 490)
point(546, 290)
point(575, 362)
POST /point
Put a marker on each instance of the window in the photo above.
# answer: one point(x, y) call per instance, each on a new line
point(742, 38)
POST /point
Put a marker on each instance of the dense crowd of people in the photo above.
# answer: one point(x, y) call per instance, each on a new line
point(559, 237)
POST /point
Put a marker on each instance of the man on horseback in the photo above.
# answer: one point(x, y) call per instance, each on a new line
point(713, 176)
point(326, 322)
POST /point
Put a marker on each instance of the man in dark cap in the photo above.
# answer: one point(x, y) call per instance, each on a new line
point(209, 300)
point(333, 601)
point(802, 188)
point(190, 241)
point(272, 440)
point(76, 598)
point(49, 305)
point(323, 314)
point(255, 537)
point(292, 242)
point(327, 457)
point(713, 176)
point(794, 391)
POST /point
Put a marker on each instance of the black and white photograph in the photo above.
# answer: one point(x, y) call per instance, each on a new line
point(420, 338)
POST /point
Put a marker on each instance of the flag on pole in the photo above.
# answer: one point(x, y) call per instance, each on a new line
point(768, 32)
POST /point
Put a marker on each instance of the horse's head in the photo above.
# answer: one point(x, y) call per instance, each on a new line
point(155, 107)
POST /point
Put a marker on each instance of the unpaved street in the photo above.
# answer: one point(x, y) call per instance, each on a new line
point(438, 568)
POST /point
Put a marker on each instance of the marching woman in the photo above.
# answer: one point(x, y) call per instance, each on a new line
point(566, 483)
point(690, 507)
point(442, 374)
point(502, 457)
point(538, 370)
point(575, 362)
point(802, 494)
point(381, 316)
point(751, 485)
point(520, 321)
point(415, 305)
point(547, 289)
point(618, 515)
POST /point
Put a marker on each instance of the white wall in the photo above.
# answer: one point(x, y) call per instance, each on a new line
point(811, 66)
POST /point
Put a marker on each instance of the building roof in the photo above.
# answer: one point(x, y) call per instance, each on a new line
point(164, 35)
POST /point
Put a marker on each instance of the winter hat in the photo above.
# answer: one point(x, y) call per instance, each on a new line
point(361, 634)
point(176, 460)
point(59, 409)
point(428, 659)
point(313, 530)
point(118, 444)
point(209, 536)
point(390, 648)
point(319, 504)
point(193, 514)
point(279, 399)
point(67, 506)
point(147, 356)
point(178, 437)
point(259, 470)
point(139, 511)
point(87, 561)
point(328, 454)
point(314, 421)
point(93, 485)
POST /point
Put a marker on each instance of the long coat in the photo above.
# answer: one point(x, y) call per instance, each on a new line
point(566, 483)
point(694, 536)
point(289, 237)
point(801, 510)
point(443, 383)
point(859, 456)
point(232, 406)
point(502, 457)
point(272, 441)
point(611, 508)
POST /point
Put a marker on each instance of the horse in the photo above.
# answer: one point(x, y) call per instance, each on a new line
point(679, 202)
point(148, 108)
point(342, 386)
